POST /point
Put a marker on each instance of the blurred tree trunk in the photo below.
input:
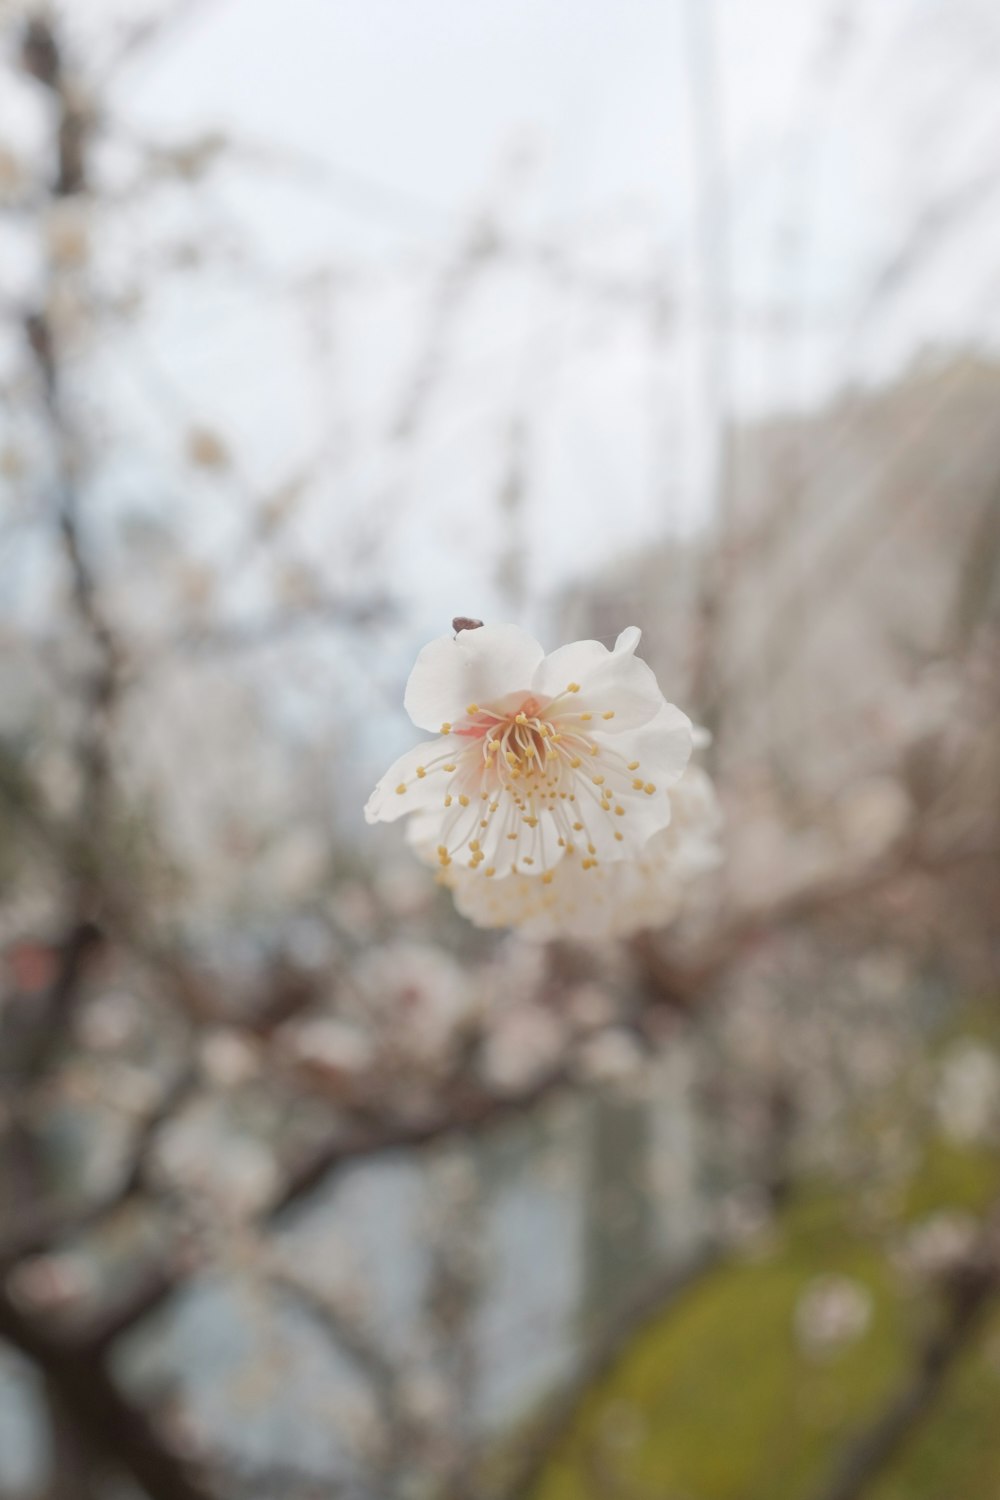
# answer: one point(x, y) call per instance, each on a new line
point(618, 1223)
point(74, 1472)
point(976, 593)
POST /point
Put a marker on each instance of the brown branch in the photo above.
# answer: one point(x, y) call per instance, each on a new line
point(867, 1457)
point(288, 1480)
point(43, 58)
point(342, 1331)
point(537, 1446)
point(680, 980)
point(46, 1227)
point(349, 1144)
point(83, 939)
point(116, 1429)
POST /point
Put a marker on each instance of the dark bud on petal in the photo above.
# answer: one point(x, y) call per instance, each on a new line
point(462, 622)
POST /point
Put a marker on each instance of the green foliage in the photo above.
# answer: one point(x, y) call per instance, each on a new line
point(957, 1451)
point(953, 1177)
point(718, 1400)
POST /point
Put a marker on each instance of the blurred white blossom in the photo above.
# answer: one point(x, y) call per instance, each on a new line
point(873, 814)
point(199, 1157)
point(610, 1056)
point(937, 1244)
point(968, 1092)
point(338, 1048)
point(228, 1057)
point(417, 998)
point(524, 1044)
point(832, 1312)
point(52, 1282)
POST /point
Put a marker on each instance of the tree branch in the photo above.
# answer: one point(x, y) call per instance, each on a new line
point(116, 1429)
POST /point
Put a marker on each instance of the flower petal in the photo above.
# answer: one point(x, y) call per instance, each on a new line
point(610, 899)
point(662, 747)
point(628, 639)
point(588, 679)
point(387, 802)
point(590, 905)
point(476, 666)
point(538, 910)
point(619, 816)
point(508, 842)
point(572, 663)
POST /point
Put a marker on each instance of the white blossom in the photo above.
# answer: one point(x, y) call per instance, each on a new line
point(968, 1092)
point(340, 1049)
point(938, 1244)
point(613, 899)
point(610, 1056)
point(525, 1043)
point(228, 1058)
point(416, 999)
point(539, 762)
point(833, 1311)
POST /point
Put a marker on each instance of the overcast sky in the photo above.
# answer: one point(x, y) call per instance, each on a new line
point(380, 132)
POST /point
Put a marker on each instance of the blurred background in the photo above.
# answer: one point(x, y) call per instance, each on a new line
point(321, 323)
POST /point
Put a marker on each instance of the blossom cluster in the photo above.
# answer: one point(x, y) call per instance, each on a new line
point(557, 795)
